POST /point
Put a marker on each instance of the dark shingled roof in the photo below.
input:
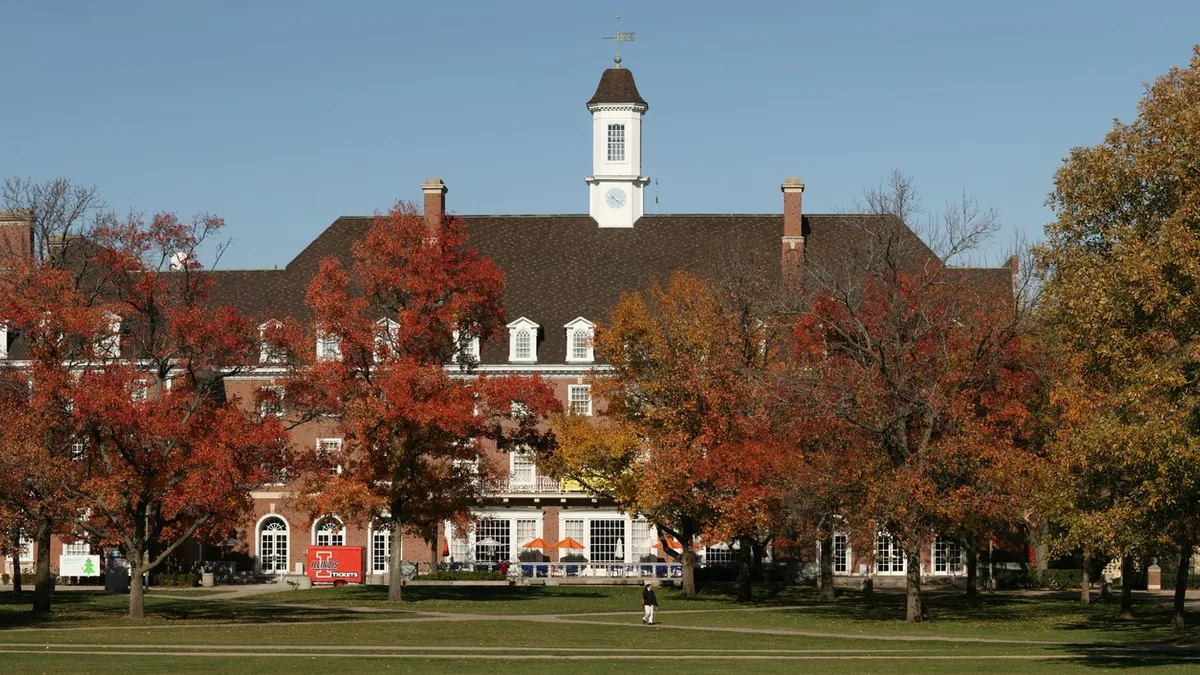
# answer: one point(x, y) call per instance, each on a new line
point(617, 86)
point(561, 267)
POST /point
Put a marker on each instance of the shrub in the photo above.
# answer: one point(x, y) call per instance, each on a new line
point(1055, 579)
point(1168, 581)
point(463, 575)
point(4, 578)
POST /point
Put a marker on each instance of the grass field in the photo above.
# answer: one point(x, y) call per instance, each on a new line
point(583, 629)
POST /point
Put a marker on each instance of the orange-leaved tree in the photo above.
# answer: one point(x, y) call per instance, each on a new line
point(398, 330)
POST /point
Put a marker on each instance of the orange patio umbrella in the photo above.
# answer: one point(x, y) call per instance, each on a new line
point(571, 544)
point(673, 543)
point(537, 543)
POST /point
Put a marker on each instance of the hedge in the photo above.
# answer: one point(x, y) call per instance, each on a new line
point(1056, 579)
point(1168, 581)
point(463, 575)
point(180, 580)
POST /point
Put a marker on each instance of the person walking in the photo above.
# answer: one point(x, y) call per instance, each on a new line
point(649, 604)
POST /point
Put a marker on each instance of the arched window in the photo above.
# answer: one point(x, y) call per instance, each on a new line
point(523, 346)
point(328, 531)
point(273, 545)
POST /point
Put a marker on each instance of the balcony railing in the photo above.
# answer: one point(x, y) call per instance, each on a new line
point(539, 484)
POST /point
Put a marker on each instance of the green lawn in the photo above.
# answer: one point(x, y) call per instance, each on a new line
point(182, 635)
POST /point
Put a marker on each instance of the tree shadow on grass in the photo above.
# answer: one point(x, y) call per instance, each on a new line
point(81, 608)
point(464, 594)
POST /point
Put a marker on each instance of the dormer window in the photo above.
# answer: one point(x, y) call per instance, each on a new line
point(329, 347)
point(109, 346)
point(269, 352)
point(3, 340)
point(580, 334)
point(387, 337)
point(616, 142)
point(522, 341)
point(465, 353)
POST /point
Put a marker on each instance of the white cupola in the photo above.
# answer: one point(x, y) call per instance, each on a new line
point(617, 186)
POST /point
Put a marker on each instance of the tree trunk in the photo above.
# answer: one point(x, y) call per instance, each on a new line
point(41, 588)
point(1181, 579)
point(17, 572)
point(915, 611)
point(743, 578)
point(1041, 547)
point(972, 570)
point(395, 562)
point(1085, 591)
point(689, 570)
point(1126, 586)
point(137, 596)
point(433, 554)
point(826, 578)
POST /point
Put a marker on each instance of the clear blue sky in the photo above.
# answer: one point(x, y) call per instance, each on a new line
point(281, 116)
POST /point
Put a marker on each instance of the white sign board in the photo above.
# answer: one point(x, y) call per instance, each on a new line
point(79, 566)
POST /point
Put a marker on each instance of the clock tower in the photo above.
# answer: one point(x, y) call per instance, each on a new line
point(617, 187)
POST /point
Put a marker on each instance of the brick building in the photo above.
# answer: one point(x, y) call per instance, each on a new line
point(562, 275)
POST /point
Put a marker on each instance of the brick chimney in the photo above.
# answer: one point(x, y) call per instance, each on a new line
point(435, 205)
point(16, 234)
point(793, 231)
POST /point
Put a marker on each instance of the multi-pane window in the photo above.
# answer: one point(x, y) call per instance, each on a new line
point(273, 546)
point(80, 547)
point(573, 529)
point(641, 539)
point(492, 540)
point(889, 557)
point(841, 559)
point(329, 453)
point(387, 338)
point(947, 556)
point(329, 347)
point(76, 451)
point(526, 532)
point(109, 346)
point(607, 543)
point(523, 470)
point(523, 346)
point(723, 554)
point(581, 346)
point(579, 399)
point(330, 533)
point(616, 142)
point(269, 352)
point(381, 547)
point(271, 402)
point(466, 349)
point(460, 548)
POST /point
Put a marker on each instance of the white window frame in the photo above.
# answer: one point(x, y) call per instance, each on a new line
point(949, 568)
point(632, 529)
point(847, 559)
point(580, 328)
point(338, 534)
point(375, 531)
point(262, 409)
point(3, 339)
point(616, 142)
point(287, 548)
point(267, 352)
point(109, 346)
point(322, 450)
point(530, 330)
point(329, 347)
point(79, 547)
point(889, 567)
point(512, 469)
point(467, 355)
point(387, 332)
point(466, 542)
point(571, 390)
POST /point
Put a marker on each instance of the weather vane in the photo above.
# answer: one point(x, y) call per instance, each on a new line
point(618, 39)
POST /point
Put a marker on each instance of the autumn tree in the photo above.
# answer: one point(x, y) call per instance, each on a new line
point(682, 437)
point(1123, 258)
point(923, 362)
point(398, 375)
point(50, 320)
point(163, 454)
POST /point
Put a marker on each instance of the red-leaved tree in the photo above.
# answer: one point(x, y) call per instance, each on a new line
point(395, 370)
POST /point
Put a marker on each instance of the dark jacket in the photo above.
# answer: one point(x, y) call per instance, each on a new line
point(648, 597)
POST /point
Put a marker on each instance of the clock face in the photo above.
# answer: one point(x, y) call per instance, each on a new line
point(615, 198)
